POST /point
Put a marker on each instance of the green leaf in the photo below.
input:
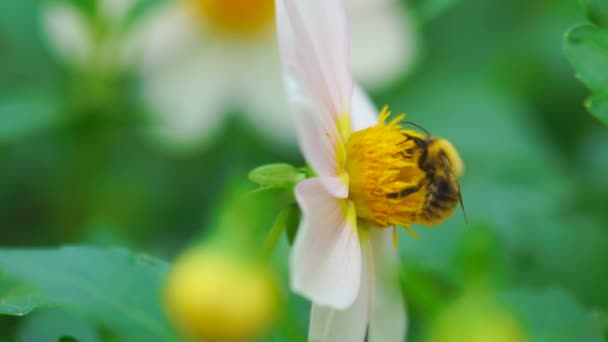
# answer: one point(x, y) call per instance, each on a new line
point(597, 11)
point(598, 106)
point(18, 298)
point(115, 288)
point(587, 49)
point(553, 316)
point(57, 325)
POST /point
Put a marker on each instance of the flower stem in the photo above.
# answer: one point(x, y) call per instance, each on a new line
point(276, 231)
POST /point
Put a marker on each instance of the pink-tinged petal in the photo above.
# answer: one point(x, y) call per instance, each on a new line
point(332, 325)
point(336, 186)
point(388, 321)
point(364, 113)
point(315, 56)
point(315, 49)
point(325, 260)
point(321, 149)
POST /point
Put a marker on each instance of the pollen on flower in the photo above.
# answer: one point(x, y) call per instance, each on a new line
point(235, 17)
point(384, 175)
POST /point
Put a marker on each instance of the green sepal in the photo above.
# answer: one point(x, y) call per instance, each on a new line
point(277, 176)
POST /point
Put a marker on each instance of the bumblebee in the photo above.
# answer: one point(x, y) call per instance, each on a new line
point(442, 166)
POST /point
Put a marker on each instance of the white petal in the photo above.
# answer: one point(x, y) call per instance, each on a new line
point(188, 99)
point(336, 186)
point(383, 44)
point(364, 113)
point(325, 262)
point(314, 44)
point(261, 82)
point(163, 37)
point(332, 325)
point(319, 148)
point(68, 32)
point(313, 41)
point(388, 321)
point(360, 6)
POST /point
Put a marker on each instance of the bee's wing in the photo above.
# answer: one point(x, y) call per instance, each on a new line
point(447, 168)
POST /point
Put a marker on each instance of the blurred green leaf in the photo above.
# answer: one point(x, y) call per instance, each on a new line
point(18, 298)
point(553, 316)
point(587, 49)
point(113, 287)
point(480, 257)
point(68, 339)
point(24, 53)
point(57, 325)
point(597, 11)
point(427, 10)
point(87, 7)
point(598, 105)
point(25, 112)
point(6, 339)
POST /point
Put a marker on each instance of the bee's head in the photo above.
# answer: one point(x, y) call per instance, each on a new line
point(438, 149)
point(442, 149)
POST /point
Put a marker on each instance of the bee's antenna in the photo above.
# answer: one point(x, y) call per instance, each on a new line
point(462, 205)
point(417, 126)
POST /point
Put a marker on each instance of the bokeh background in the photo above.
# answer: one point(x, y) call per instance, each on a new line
point(120, 127)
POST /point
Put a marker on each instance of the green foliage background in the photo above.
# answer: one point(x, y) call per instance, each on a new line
point(494, 77)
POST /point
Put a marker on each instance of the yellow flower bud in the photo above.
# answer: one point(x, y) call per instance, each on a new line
point(211, 296)
point(477, 318)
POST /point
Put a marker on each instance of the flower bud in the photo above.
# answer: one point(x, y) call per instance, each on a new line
point(213, 296)
point(477, 318)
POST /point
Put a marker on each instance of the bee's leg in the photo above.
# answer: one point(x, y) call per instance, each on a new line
point(407, 153)
point(407, 191)
point(422, 160)
point(409, 230)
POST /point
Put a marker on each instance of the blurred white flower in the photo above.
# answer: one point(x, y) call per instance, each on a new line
point(88, 41)
point(201, 59)
point(342, 257)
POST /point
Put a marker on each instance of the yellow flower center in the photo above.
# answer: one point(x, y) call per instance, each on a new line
point(384, 175)
point(236, 17)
